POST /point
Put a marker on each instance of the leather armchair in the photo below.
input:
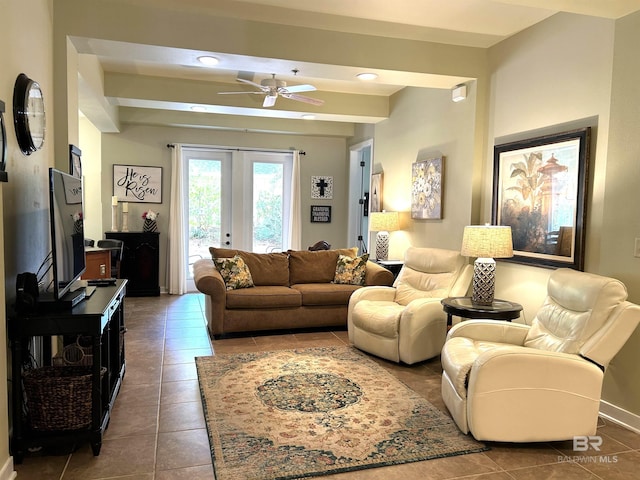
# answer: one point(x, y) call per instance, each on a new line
point(510, 382)
point(405, 322)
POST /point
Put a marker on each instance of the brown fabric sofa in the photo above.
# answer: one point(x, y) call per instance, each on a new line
point(291, 290)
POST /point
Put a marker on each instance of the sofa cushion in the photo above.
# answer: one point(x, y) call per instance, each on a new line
point(350, 270)
point(273, 296)
point(265, 268)
point(234, 272)
point(324, 293)
point(315, 266)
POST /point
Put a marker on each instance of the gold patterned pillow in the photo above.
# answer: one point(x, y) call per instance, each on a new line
point(234, 272)
point(351, 270)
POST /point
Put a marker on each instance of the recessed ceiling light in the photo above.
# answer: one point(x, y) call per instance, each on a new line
point(198, 108)
point(208, 60)
point(367, 76)
point(308, 116)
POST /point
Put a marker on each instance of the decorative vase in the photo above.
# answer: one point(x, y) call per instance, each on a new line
point(149, 225)
point(78, 226)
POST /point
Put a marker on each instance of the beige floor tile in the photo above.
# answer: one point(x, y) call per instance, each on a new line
point(185, 356)
point(203, 472)
point(186, 343)
point(176, 417)
point(619, 433)
point(138, 394)
point(564, 471)
point(132, 420)
point(187, 448)
point(510, 456)
point(186, 332)
point(179, 392)
point(41, 468)
point(179, 371)
point(120, 456)
point(623, 466)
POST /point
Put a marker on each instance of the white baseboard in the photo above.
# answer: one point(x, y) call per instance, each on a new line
point(7, 472)
point(620, 416)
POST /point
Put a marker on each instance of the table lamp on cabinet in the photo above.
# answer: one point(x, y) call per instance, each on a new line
point(485, 242)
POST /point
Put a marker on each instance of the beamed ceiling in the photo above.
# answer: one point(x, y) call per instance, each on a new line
point(164, 83)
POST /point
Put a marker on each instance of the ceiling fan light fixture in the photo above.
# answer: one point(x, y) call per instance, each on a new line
point(208, 60)
point(198, 108)
point(308, 116)
point(367, 76)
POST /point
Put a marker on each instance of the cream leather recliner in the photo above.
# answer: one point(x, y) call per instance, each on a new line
point(510, 382)
point(406, 323)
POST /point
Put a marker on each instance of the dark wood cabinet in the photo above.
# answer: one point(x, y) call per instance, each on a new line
point(140, 262)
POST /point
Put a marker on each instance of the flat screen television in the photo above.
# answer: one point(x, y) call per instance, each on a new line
point(66, 217)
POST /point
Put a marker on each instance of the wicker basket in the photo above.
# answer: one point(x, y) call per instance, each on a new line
point(59, 398)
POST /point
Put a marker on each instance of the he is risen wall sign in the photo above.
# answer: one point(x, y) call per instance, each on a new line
point(321, 187)
point(132, 183)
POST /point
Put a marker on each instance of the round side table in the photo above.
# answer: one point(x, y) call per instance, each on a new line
point(463, 307)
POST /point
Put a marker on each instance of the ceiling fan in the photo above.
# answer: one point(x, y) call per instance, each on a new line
point(272, 88)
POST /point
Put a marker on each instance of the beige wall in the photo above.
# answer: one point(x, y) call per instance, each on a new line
point(90, 143)
point(148, 146)
point(424, 124)
point(565, 73)
point(25, 196)
point(621, 221)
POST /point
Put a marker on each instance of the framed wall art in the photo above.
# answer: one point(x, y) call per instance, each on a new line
point(375, 193)
point(133, 183)
point(426, 188)
point(321, 187)
point(539, 190)
point(320, 213)
point(75, 161)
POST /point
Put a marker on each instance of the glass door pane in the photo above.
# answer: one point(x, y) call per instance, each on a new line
point(268, 207)
point(207, 182)
point(205, 206)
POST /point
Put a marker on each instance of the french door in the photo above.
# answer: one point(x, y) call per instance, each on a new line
point(235, 199)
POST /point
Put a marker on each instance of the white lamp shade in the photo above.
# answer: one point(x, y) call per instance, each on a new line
point(487, 241)
point(384, 222)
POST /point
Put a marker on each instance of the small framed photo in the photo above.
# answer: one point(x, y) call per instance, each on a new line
point(75, 161)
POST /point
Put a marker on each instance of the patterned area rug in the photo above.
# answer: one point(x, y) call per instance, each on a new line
point(301, 413)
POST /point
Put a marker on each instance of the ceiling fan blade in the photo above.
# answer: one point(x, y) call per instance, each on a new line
point(236, 93)
point(302, 98)
point(300, 88)
point(249, 82)
point(269, 101)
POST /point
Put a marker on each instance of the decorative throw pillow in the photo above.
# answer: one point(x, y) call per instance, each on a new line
point(234, 272)
point(350, 270)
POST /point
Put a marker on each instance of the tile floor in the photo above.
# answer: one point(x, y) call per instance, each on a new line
point(157, 430)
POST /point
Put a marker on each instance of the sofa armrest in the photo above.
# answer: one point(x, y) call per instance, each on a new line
point(377, 275)
point(209, 281)
point(207, 278)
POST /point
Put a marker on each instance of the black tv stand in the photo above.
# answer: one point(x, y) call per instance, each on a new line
point(101, 317)
point(48, 303)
